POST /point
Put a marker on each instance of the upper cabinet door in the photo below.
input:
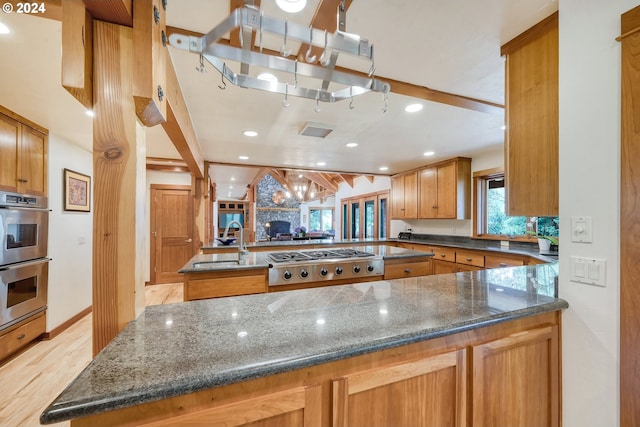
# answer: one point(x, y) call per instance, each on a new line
point(531, 136)
point(447, 191)
point(10, 131)
point(32, 176)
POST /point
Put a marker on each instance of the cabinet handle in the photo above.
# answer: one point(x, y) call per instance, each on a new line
point(503, 264)
point(21, 336)
point(443, 255)
point(407, 270)
point(469, 259)
point(189, 240)
point(22, 180)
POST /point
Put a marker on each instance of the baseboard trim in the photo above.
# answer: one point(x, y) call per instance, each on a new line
point(66, 325)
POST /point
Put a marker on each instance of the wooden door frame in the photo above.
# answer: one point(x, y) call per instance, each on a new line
point(152, 223)
point(629, 234)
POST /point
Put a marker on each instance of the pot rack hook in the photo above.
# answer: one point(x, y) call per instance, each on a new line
point(307, 55)
point(325, 58)
point(351, 107)
point(283, 50)
point(386, 103)
point(285, 103)
point(201, 66)
point(261, 16)
point(317, 108)
point(295, 73)
point(372, 69)
point(224, 84)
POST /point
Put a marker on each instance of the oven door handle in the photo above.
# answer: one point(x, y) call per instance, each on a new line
point(25, 208)
point(24, 264)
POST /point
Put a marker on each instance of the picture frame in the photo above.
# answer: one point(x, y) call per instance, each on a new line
point(77, 191)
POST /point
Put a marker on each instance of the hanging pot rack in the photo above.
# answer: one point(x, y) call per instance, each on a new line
point(249, 18)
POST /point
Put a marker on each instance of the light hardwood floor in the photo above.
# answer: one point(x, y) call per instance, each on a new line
point(31, 380)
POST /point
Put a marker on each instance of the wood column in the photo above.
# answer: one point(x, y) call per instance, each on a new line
point(630, 222)
point(118, 166)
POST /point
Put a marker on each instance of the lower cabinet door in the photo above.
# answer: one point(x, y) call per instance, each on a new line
point(428, 392)
point(443, 267)
point(516, 380)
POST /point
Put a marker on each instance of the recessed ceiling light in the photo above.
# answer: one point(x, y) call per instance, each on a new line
point(250, 133)
point(384, 168)
point(233, 178)
point(429, 153)
point(243, 157)
point(352, 144)
point(321, 163)
point(268, 77)
point(291, 6)
point(90, 113)
point(4, 29)
point(412, 108)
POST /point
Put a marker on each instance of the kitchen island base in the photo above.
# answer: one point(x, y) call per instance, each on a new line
point(506, 373)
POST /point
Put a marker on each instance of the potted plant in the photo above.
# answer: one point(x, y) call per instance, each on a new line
point(544, 242)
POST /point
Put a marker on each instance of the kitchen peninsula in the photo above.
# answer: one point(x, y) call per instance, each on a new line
point(428, 349)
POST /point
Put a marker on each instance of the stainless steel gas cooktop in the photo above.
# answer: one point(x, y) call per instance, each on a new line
point(322, 265)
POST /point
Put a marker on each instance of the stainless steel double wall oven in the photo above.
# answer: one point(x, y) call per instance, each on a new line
point(24, 268)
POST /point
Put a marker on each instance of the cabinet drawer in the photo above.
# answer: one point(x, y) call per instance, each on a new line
point(497, 261)
point(224, 287)
point(410, 269)
point(21, 336)
point(470, 258)
point(444, 254)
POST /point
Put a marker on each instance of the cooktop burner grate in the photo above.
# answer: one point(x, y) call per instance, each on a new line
point(317, 255)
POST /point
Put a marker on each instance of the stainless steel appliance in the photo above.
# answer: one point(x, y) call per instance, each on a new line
point(24, 268)
point(24, 227)
point(322, 265)
point(23, 290)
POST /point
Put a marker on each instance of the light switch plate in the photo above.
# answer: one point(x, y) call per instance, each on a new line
point(581, 229)
point(590, 271)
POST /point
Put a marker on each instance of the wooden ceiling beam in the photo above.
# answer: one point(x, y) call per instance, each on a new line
point(325, 18)
point(397, 86)
point(322, 180)
point(113, 11)
point(258, 177)
point(179, 127)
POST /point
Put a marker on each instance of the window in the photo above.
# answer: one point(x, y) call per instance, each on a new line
point(491, 219)
point(320, 219)
point(365, 216)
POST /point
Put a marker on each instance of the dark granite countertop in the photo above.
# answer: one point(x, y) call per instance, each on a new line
point(206, 263)
point(181, 348)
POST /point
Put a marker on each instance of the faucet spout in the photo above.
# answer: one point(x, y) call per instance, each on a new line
point(242, 250)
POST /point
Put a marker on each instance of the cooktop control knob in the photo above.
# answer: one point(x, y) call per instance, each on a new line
point(324, 271)
point(338, 270)
point(304, 273)
point(287, 275)
point(370, 268)
point(356, 269)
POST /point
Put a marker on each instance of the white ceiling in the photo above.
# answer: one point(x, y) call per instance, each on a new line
point(451, 46)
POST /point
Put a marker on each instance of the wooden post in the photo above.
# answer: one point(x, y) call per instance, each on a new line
point(118, 166)
point(77, 51)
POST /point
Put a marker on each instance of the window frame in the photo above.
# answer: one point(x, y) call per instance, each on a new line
point(480, 208)
point(324, 208)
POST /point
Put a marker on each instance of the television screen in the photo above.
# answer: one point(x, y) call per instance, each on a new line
point(226, 218)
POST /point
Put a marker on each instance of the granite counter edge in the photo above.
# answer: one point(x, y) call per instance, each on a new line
point(64, 412)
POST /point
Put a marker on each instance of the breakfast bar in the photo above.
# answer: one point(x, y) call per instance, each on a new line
point(361, 354)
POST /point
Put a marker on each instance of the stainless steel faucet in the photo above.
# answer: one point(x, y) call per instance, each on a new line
point(242, 250)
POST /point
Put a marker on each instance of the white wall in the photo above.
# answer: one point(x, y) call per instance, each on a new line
point(361, 185)
point(156, 177)
point(589, 186)
point(488, 159)
point(70, 237)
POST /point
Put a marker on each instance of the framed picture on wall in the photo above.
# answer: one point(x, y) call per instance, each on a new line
point(77, 191)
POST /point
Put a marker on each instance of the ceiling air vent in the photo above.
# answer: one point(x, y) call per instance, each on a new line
point(316, 130)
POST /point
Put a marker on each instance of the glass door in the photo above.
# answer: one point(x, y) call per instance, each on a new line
point(370, 220)
point(383, 218)
point(355, 219)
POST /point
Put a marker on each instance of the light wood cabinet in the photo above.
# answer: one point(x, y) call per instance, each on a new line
point(444, 190)
point(498, 261)
point(472, 258)
point(404, 196)
point(18, 336)
point(515, 380)
point(23, 155)
point(443, 267)
point(531, 106)
point(428, 392)
point(225, 283)
point(402, 268)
